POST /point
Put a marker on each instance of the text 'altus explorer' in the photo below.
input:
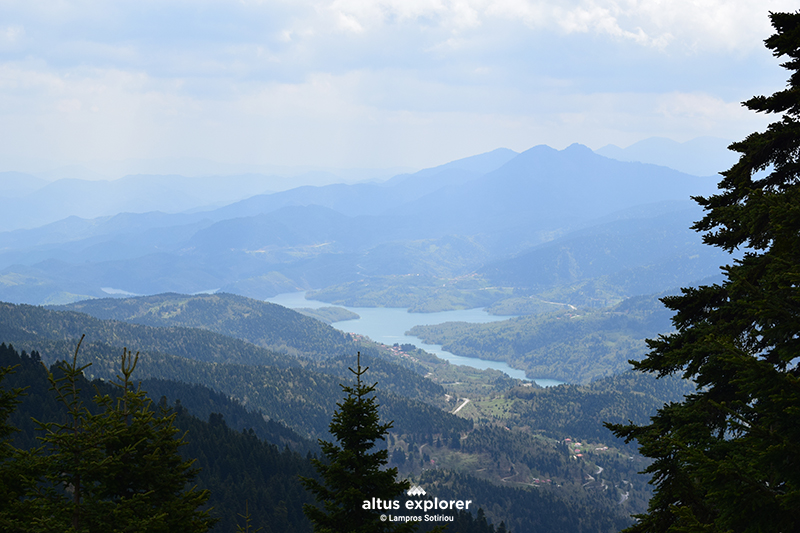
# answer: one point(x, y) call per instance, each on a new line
point(425, 505)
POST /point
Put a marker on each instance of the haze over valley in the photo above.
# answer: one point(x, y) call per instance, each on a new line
point(516, 233)
point(543, 232)
point(219, 216)
point(574, 246)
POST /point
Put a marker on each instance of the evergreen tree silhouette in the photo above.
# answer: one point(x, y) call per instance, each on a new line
point(725, 458)
point(354, 470)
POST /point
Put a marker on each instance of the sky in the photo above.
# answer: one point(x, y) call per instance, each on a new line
point(371, 83)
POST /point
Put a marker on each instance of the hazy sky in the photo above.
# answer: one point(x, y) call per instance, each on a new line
point(361, 83)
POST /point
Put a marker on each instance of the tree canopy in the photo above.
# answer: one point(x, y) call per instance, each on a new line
point(725, 457)
point(354, 470)
point(10, 486)
point(113, 466)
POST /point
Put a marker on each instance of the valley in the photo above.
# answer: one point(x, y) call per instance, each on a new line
point(390, 326)
point(458, 285)
point(501, 431)
point(372, 266)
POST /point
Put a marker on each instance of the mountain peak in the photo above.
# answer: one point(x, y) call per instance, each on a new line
point(577, 148)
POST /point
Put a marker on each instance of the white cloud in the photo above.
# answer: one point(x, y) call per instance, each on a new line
point(688, 24)
point(349, 23)
point(375, 82)
point(702, 110)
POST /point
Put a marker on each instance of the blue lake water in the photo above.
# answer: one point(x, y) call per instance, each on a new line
point(389, 324)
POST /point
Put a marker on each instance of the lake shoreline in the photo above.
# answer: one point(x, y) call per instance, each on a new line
point(388, 325)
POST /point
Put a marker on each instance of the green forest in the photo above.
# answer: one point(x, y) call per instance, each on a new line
point(250, 475)
point(169, 168)
point(267, 407)
point(572, 344)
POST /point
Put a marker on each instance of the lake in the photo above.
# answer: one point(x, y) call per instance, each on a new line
point(389, 324)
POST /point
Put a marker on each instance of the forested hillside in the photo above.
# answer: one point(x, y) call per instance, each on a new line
point(649, 249)
point(234, 232)
point(573, 344)
point(245, 474)
point(300, 397)
point(505, 433)
point(27, 322)
point(261, 323)
point(239, 467)
point(582, 410)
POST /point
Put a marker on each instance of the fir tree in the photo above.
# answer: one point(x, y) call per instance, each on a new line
point(354, 471)
point(114, 468)
point(726, 457)
point(11, 487)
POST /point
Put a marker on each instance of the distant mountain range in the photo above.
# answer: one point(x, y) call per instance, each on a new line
point(573, 239)
point(517, 220)
point(38, 202)
point(46, 197)
point(703, 156)
point(659, 235)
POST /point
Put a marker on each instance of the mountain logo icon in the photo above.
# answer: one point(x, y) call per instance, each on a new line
point(416, 490)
